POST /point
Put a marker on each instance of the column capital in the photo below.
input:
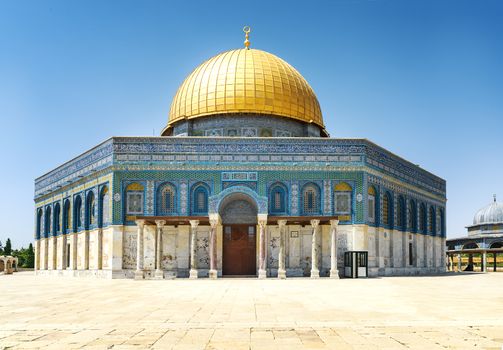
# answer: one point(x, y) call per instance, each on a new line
point(213, 222)
point(334, 223)
point(194, 223)
point(160, 223)
point(282, 223)
point(140, 223)
point(315, 223)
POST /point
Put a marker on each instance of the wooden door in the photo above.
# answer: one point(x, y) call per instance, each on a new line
point(239, 250)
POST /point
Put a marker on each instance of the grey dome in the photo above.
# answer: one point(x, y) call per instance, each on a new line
point(493, 213)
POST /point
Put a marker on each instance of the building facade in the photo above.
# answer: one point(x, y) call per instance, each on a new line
point(244, 180)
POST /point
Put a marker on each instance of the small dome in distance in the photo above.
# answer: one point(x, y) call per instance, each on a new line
point(490, 214)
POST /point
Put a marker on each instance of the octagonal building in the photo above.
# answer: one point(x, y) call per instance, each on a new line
point(244, 180)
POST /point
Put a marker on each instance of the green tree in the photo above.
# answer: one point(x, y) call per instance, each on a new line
point(30, 257)
point(8, 247)
point(1, 248)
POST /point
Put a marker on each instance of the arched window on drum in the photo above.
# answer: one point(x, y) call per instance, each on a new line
point(278, 199)
point(166, 199)
point(199, 197)
point(311, 199)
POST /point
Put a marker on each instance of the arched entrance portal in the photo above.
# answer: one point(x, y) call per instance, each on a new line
point(239, 219)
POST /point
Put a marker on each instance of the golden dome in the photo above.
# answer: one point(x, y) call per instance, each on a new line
point(245, 81)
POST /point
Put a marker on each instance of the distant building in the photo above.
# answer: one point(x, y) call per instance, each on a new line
point(485, 236)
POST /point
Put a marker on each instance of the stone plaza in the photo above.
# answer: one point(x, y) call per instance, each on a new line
point(428, 312)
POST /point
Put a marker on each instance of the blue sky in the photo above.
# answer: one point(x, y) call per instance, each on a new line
point(423, 79)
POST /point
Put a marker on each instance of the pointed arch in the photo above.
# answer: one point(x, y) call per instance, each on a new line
point(422, 218)
point(66, 216)
point(342, 198)
point(432, 221)
point(48, 221)
point(311, 199)
point(39, 223)
point(57, 218)
point(372, 204)
point(135, 199)
point(77, 213)
point(199, 195)
point(166, 199)
point(103, 205)
point(278, 199)
point(412, 216)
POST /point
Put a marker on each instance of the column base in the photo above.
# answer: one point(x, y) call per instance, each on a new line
point(281, 274)
point(193, 274)
point(213, 274)
point(159, 274)
point(315, 273)
point(334, 274)
point(262, 274)
point(138, 275)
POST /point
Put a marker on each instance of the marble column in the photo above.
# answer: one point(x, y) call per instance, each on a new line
point(459, 262)
point(54, 257)
point(281, 254)
point(213, 273)
point(74, 251)
point(100, 248)
point(334, 273)
point(262, 263)
point(46, 253)
point(315, 271)
point(138, 274)
point(86, 250)
point(37, 254)
point(159, 272)
point(484, 262)
point(63, 252)
point(193, 248)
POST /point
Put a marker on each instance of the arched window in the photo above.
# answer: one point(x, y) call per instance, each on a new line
point(412, 216)
point(442, 222)
point(90, 210)
point(166, 199)
point(66, 216)
point(387, 210)
point(47, 223)
point(39, 223)
point(371, 204)
point(199, 199)
point(422, 218)
point(400, 213)
point(77, 213)
point(343, 198)
point(311, 199)
point(277, 199)
point(432, 221)
point(103, 215)
point(134, 199)
point(57, 218)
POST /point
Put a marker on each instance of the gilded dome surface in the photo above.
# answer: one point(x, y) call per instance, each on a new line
point(493, 213)
point(245, 81)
